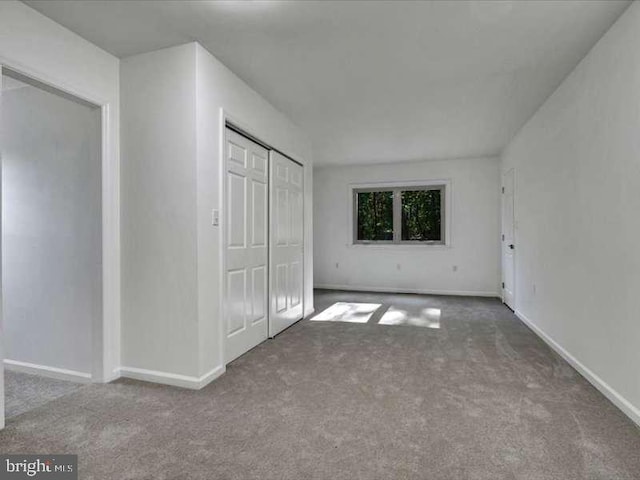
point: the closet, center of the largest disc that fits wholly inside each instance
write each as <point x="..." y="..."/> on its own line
<point x="263" y="243"/>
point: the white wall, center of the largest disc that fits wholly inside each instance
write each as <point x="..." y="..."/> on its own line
<point x="159" y="283"/>
<point x="51" y="229"/>
<point x="474" y="247"/>
<point x="577" y="204"/>
<point x="39" y="47"/>
<point x="172" y="127"/>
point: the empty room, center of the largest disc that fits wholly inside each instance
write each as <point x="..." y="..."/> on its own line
<point x="51" y="242"/>
<point x="279" y="239"/>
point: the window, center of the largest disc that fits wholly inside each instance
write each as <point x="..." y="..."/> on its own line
<point x="411" y="214"/>
<point x="375" y="215"/>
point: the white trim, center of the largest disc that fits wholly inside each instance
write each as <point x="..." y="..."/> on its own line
<point x="106" y="330"/>
<point x="43" y="77"/>
<point x="399" y="247"/>
<point x="222" y="232"/>
<point x="173" y="379"/>
<point x="401" y="183"/>
<point x="618" y="400"/>
<point x="364" y="288"/>
<point x="114" y="375"/>
<point x="448" y="213"/>
<point x="45" y="371"/>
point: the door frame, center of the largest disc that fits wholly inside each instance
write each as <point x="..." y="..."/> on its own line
<point x="106" y="329"/>
<point x="502" y="246"/>
<point x="227" y="119"/>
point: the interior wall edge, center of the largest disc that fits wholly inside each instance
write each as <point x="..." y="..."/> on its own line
<point x="36" y="46"/>
<point x="159" y="243"/>
<point x="576" y="282"/>
<point x="222" y="97"/>
<point x="603" y="387"/>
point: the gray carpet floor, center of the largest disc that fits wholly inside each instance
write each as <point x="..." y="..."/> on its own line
<point x="425" y="387"/>
<point x="24" y="392"/>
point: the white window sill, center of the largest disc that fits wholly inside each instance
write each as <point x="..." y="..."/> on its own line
<point x="398" y="246"/>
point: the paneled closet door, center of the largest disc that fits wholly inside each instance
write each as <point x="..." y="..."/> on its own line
<point x="246" y="244"/>
<point x="286" y="242"/>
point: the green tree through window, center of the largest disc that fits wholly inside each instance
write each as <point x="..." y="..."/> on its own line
<point x="421" y="219"/>
<point x="375" y="216"/>
<point x="400" y="214"/>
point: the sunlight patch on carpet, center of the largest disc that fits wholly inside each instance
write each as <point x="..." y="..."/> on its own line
<point x="347" y="312"/>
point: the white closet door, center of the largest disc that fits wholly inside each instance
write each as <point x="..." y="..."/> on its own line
<point x="286" y="240"/>
<point x="246" y="232"/>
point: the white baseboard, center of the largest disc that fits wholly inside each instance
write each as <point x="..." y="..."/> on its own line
<point x="618" y="400"/>
<point x="45" y="371"/>
<point x="362" y="288"/>
<point x="115" y="374"/>
<point x="174" y="379"/>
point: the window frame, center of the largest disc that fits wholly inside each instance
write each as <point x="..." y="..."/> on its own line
<point x="397" y="188"/>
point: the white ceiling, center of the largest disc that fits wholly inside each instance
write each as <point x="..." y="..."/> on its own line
<point x="372" y="81"/>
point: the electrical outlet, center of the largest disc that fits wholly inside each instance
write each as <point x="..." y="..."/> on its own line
<point x="215" y="217"/>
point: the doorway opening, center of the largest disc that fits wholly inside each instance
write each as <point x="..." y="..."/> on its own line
<point x="52" y="269"/>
